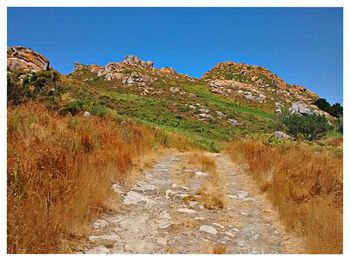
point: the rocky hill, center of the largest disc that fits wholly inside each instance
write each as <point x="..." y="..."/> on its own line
<point x="231" y="99"/>
<point x="21" y="58"/>
<point x="259" y="85"/>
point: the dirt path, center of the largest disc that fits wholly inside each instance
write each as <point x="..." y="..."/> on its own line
<point x="159" y="215"/>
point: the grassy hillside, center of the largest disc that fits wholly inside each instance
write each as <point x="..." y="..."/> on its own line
<point x="178" y="108"/>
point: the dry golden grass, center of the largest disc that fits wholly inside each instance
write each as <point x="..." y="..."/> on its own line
<point x="212" y="190"/>
<point x="334" y="142"/>
<point x="218" y="249"/>
<point x="306" y="186"/>
<point x="60" y="171"/>
<point x="199" y="158"/>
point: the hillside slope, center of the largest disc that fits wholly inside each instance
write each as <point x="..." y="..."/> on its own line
<point x="230" y="100"/>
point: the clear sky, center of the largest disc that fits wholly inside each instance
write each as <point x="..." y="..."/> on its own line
<point x="302" y="45"/>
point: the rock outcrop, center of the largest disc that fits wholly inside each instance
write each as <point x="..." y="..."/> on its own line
<point x="135" y="61"/>
<point x="300" y="108"/>
<point x="25" y="59"/>
<point x="130" y="71"/>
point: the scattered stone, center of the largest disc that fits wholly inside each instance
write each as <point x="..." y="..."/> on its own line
<point x="133" y="198"/>
<point x="218" y="225"/>
<point x="186" y="210"/>
<point x="233" y="122"/>
<point x="143" y="186"/>
<point x="165" y="224"/>
<point x="205" y="116"/>
<point x="87" y="114"/>
<point x="149" y="176"/>
<point x="127" y="248"/>
<point x="98" y="250"/>
<point x="173" y="185"/>
<point x="116" y="188"/>
<point x="205" y="110"/>
<point x="193" y="204"/>
<point x="208" y="229"/>
<point x="168" y="193"/>
<point x="199" y="218"/>
<point x="201" y="174"/>
<point x="100" y="223"/>
<point x="230" y="234"/>
<point x="182" y="195"/>
<point x="242" y="194"/>
<point x="162" y="241"/>
<point x="281" y="135"/>
<point x="220" y="114"/>
<point x="105" y="238"/>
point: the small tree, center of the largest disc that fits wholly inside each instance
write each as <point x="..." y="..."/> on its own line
<point x="322" y="104"/>
<point x="310" y="126"/>
<point x="336" y="110"/>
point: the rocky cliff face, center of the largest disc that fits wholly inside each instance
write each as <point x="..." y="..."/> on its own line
<point x="24" y="59"/>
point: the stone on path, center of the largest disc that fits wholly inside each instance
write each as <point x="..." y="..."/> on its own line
<point x="208" y="229"/>
<point x="201" y="174"/>
<point x="186" y="210"/>
<point x="105" y="238"/>
<point x="143" y="186"/>
<point x="133" y="198"/>
<point x="98" y="250"/>
<point x="100" y="223"/>
<point x="218" y="225"/>
<point x="168" y="193"/>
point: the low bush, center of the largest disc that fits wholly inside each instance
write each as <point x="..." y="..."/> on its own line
<point x="311" y="126"/>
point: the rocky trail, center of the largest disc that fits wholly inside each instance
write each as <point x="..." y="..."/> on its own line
<point x="160" y="214"/>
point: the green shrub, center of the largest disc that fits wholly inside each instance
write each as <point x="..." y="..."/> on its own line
<point x="73" y="107"/>
<point x="335" y="110"/>
<point x="339" y="124"/>
<point x="310" y="126"/>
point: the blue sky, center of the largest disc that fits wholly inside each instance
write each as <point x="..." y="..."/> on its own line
<point x="302" y="45"/>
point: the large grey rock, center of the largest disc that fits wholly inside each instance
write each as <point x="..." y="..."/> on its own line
<point x="300" y="108"/>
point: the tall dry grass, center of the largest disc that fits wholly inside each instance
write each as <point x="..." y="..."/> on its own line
<point x="306" y="186"/>
<point x="60" y="171"/>
<point x="212" y="190"/>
